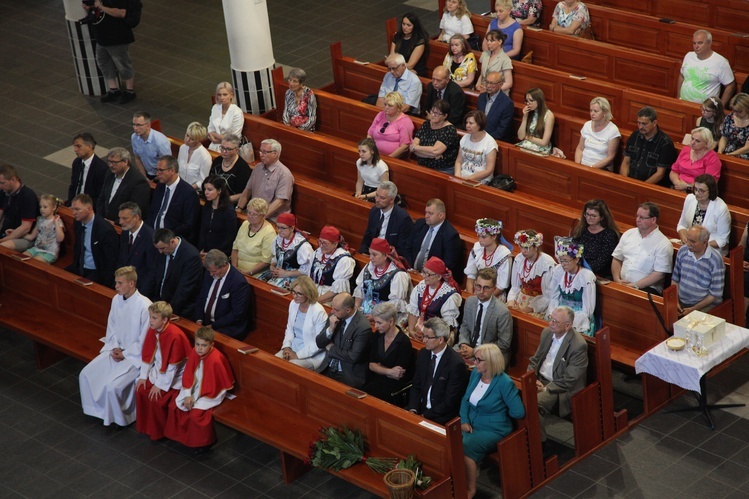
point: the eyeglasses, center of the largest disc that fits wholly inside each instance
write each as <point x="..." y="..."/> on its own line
<point x="114" y="161"/>
<point x="395" y="68"/>
<point x="296" y="293"/>
<point x="482" y="288"/>
<point x="701" y="191"/>
<point x="492" y="83"/>
<point x="556" y="322"/>
<point x="425" y="337"/>
<point x="282" y="227"/>
<point x="162" y="170"/>
<point x="382" y="130"/>
<point x="565" y="262"/>
<point x="228" y="149"/>
<point x="592" y="215"/>
<point x="427" y="275"/>
<point x="479" y="360"/>
<point x="267" y="152"/>
<point x="138" y="125"/>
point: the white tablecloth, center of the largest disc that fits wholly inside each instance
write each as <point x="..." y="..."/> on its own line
<point x="684" y="368"/>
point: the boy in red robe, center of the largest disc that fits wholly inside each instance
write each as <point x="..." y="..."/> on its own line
<point x="164" y="352"/>
<point x="205" y="382"/>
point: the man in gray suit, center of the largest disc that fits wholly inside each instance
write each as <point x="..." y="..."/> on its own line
<point x="561" y="365"/>
<point x="485" y="319"/>
<point x="346" y="337"/>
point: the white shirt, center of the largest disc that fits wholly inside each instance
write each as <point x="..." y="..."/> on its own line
<point x="436" y="363"/>
<point x="86" y="168"/>
<point x="199" y="166"/>
<point x="229" y="123"/>
<point x="171" y="189"/>
<point x="597" y="143"/>
<point x="453" y="25"/>
<point x="220" y="284"/>
<point x="385" y="221"/>
<point x="547" y="368"/>
<point x="641" y="257"/>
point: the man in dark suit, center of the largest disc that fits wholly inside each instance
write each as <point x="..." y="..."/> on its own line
<point x="122" y="184"/>
<point x="485" y="318"/>
<point x="95" y="250"/>
<point x="136" y="247"/>
<point x="388" y="221"/>
<point x="561" y="365"/>
<point x="224" y="299"/>
<point x="175" y="205"/>
<point x="433" y="235"/>
<point x="442" y="87"/>
<point x="441" y="376"/>
<point x="88" y="171"/>
<point x="178" y="273"/>
<point x="346" y="337"/>
<point x="498" y="108"/>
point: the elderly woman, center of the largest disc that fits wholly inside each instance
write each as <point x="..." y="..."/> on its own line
<point x="292" y="254"/>
<point x="392" y="130"/>
<point x="218" y="227"/>
<point x="436" y="143"/>
<point x="734" y="140"/>
<point x="306" y="319"/>
<point x="412" y="42"/>
<point x="460" y="62"/>
<point x="705" y="208"/>
<point x="226" y="118"/>
<point x="487" y="409"/>
<point x="527" y="12"/>
<point x="531" y="274"/>
<point x="194" y="159"/>
<point x="599" y="235"/>
<point x="489" y="251"/>
<point x="332" y="266"/>
<point x="253" y="247"/>
<point x="573" y="285"/>
<point x="494" y="59"/>
<point x="371" y="171"/>
<point x="508" y="26"/>
<point x="437" y="295"/>
<point x="231" y="167"/>
<point x="300" y="104"/>
<point x="456" y="20"/>
<point x="384" y="279"/>
<point x="712" y="117"/>
<point x="478" y="151"/>
<point x="694" y="160"/>
<point x="571" y="17"/>
<point x="390" y="355"/>
<point x="538" y="123"/>
<point x="599" y="137"/>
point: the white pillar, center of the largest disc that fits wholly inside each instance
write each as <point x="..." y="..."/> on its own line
<point x="83" y="46"/>
<point x="251" y="53"/>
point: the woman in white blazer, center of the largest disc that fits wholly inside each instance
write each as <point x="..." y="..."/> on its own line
<point x="306" y="319"/>
<point x="705" y="208"/>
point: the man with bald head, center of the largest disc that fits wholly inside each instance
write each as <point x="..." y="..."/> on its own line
<point x="498" y="108"/>
<point x="442" y="87"/>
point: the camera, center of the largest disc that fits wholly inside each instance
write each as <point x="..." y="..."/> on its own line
<point x="93" y="15"/>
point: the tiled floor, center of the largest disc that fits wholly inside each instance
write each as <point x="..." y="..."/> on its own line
<point x="50" y="449"/>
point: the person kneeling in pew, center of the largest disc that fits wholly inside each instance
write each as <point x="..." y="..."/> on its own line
<point x="165" y="350"/>
<point x="206" y="380"/>
<point x="107" y="383"/>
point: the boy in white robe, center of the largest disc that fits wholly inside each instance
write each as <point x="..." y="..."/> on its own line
<point x="107" y="383"/>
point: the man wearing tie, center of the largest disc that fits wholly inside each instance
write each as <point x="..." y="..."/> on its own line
<point x="388" y="221"/>
<point x="443" y="88"/>
<point x="224" y="299"/>
<point x="441" y="376"/>
<point x="95" y="253"/>
<point x="178" y="273"/>
<point x="121" y="184"/>
<point x="346" y="337"/>
<point x="433" y="235"/>
<point x="175" y="205"/>
<point x="88" y="171"/>
<point x="400" y="79"/>
<point x="136" y="247"/>
<point x="485" y="318"/>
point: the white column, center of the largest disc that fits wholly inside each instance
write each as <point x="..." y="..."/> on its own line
<point x="251" y="53"/>
<point x="83" y="46"/>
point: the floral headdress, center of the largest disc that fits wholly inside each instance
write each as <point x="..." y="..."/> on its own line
<point x="486" y="226"/>
<point x="525" y="240"/>
<point x="565" y="246"/>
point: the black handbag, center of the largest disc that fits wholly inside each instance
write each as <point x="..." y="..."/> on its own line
<point x="504" y="182"/>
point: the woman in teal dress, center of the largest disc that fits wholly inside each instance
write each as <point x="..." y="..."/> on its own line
<point x="491" y="400"/>
<point x="574" y="285"/>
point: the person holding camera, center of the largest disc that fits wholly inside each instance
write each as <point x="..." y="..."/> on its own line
<point x="112" y="23"/>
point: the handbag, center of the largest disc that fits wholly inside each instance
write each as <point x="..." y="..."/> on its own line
<point x="504" y="182"/>
<point x="245" y="150"/>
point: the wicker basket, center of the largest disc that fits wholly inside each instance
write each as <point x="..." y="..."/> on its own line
<point x="400" y="483"/>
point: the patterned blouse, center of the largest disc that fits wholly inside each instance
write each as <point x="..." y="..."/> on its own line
<point x="304" y="115"/>
<point x="465" y="68"/>
<point x="736" y="136"/>
<point x="523" y="9"/>
<point x="448" y="135"/>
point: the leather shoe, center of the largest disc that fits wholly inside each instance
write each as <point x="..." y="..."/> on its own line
<point x="127" y="96"/>
<point x="111" y="96"/>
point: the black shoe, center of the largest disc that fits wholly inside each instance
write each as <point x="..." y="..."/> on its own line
<point x="127" y="96"/>
<point x="201" y="451"/>
<point x="111" y="96"/>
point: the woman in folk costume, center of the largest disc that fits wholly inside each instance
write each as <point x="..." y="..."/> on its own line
<point x="384" y="279"/>
<point x="531" y="274"/>
<point x="490" y="251"/>
<point x="333" y="266"/>
<point x="292" y="254"/>
<point x="574" y="285"/>
<point x="437" y="295"/>
<point x="206" y="380"/>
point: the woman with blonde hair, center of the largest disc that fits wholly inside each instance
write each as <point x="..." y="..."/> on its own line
<point x="392" y="130"/>
<point x="456" y="20"/>
<point x="695" y="159"/>
<point x="306" y="319"/>
<point x="194" y="159"/>
<point x="226" y="117"/>
<point x="599" y="137"/>
<point x="253" y="248"/>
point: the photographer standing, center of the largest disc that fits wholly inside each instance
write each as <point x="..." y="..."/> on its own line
<point x="112" y="23"/>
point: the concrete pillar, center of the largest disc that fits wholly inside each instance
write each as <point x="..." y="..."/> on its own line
<point x="83" y="46"/>
<point x="251" y="53"/>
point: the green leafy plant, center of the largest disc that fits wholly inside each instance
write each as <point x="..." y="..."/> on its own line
<point x="341" y="448"/>
<point x="411" y="463"/>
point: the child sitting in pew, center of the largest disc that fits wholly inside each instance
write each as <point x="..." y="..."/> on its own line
<point x="206" y="380"/>
<point x="48" y="233"/>
<point x="165" y="350"/>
